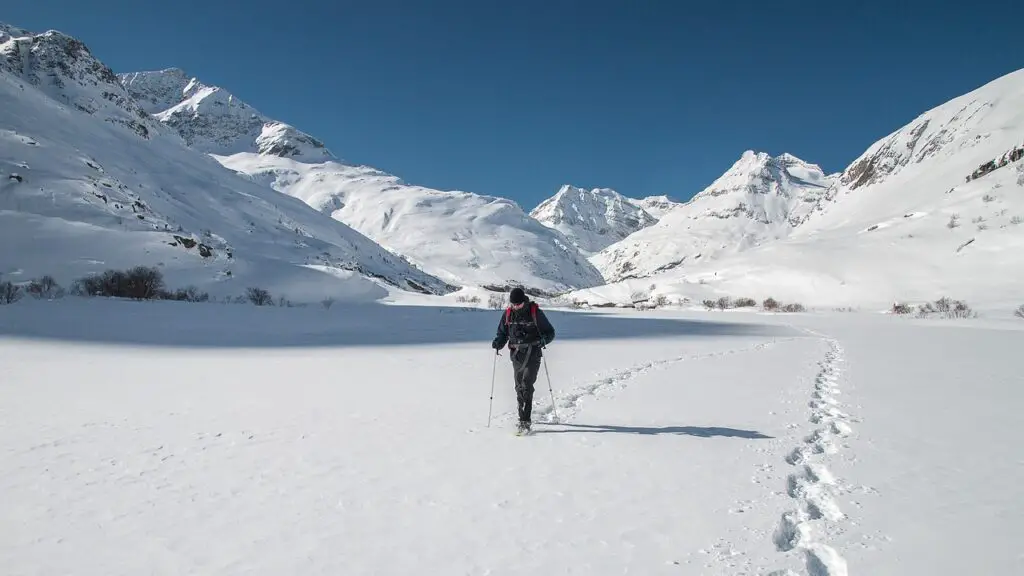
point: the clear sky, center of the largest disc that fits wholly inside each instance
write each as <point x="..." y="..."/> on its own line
<point x="516" y="98"/>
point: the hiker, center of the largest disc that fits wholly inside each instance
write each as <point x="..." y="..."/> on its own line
<point x="527" y="331"/>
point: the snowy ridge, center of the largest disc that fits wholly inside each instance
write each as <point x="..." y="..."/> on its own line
<point x="758" y="199"/>
<point x="98" y="184"/>
<point x="65" y="70"/>
<point x="594" y="219"/>
<point x="462" y="237"/>
<point x="213" y="120"/>
<point x="465" y="238"/>
<point x="930" y="210"/>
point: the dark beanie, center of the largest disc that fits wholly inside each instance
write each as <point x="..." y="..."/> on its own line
<point x="517" y="296"/>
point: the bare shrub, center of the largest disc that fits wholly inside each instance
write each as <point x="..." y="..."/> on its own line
<point x="954" y="221"/>
<point x="45" y="288"/>
<point x="1019" y="313"/>
<point x="468" y="299"/>
<point x="946" y="308"/>
<point x="9" y="292"/>
<point x="138" y="283"/>
<point x="724" y="303"/>
<point x="709" y="304"/>
<point x="988" y="198"/>
<point x="284" y="302"/>
<point x="745" y="303"/>
<point x="496" y="301"/>
<point x="901" y="308"/>
<point x="1016" y="220"/>
<point x="793" y="307"/>
<point x="327" y="302"/>
<point x="770" y="304"/>
<point x="259" y="296"/>
<point x="190" y="294"/>
<point x="660" y="301"/>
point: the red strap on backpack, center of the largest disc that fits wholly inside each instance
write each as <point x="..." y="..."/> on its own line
<point x="533" y="313"/>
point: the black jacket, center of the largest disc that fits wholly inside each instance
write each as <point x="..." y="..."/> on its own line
<point x="522" y="330"/>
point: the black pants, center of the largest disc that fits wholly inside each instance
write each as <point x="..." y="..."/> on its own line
<point x="525" y="366"/>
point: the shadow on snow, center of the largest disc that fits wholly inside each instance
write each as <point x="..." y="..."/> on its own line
<point x="206" y="325"/>
<point x="700" y="431"/>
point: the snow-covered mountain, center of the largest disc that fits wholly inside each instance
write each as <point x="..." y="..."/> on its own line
<point x="936" y="208"/>
<point x="212" y="120"/>
<point x="759" y="199"/>
<point x="89" y="181"/>
<point x="595" y="219"/>
<point x="461" y="237"/>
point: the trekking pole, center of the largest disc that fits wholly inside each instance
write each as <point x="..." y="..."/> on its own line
<point x="548" y="374"/>
<point x="494" y="367"/>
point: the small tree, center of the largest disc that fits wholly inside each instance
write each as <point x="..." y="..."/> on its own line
<point x="1020" y="312"/>
<point x="143" y="283"/>
<point x="9" y="292"/>
<point x="45" y="288"/>
<point x="793" y="307"/>
<point x="724" y="303"/>
<point x="745" y="302"/>
<point x="770" y="304"/>
<point x="709" y="304"/>
<point x="259" y="296"/>
<point x="900" y="308"/>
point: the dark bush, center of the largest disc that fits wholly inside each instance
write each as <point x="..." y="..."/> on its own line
<point x="9" y="292"/>
<point x="793" y="307"/>
<point x="327" y="303"/>
<point x="770" y="304"/>
<point x="724" y="303"/>
<point x="745" y="303"/>
<point x="190" y="294"/>
<point x="138" y="283"/>
<point x="709" y="304"/>
<point x="259" y="297"/>
<point x="1020" y="312"/>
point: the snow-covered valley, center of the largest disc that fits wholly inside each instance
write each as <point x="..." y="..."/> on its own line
<point x="246" y="440"/>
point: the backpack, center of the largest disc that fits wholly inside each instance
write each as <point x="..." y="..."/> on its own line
<point x="533" y="314"/>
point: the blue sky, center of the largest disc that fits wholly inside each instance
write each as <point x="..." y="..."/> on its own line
<point x="516" y="98"/>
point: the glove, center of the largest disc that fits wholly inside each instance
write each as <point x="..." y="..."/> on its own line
<point x="496" y="344"/>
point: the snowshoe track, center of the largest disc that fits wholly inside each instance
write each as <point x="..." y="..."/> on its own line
<point x="812" y="485"/>
<point x="568" y="404"/>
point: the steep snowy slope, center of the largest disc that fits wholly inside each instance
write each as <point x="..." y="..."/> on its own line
<point x="594" y="219"/>
<point x="89" y="181"/>
<point x="461" y="237"/>
<point x="211" y="119"/>
<point x="759" y="199"/>
<point x="934" y="209"/>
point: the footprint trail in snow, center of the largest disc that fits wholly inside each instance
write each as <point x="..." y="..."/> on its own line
<point x="812" y="484"/>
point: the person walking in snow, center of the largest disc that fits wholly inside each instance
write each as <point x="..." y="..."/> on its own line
<point x="526" y="330"/>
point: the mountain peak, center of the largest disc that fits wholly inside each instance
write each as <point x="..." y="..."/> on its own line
<point x="592" y="219"/>
<point x="213" y="120"/>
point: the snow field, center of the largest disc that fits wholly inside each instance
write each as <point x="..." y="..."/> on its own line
<point x="173" y="438"/>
